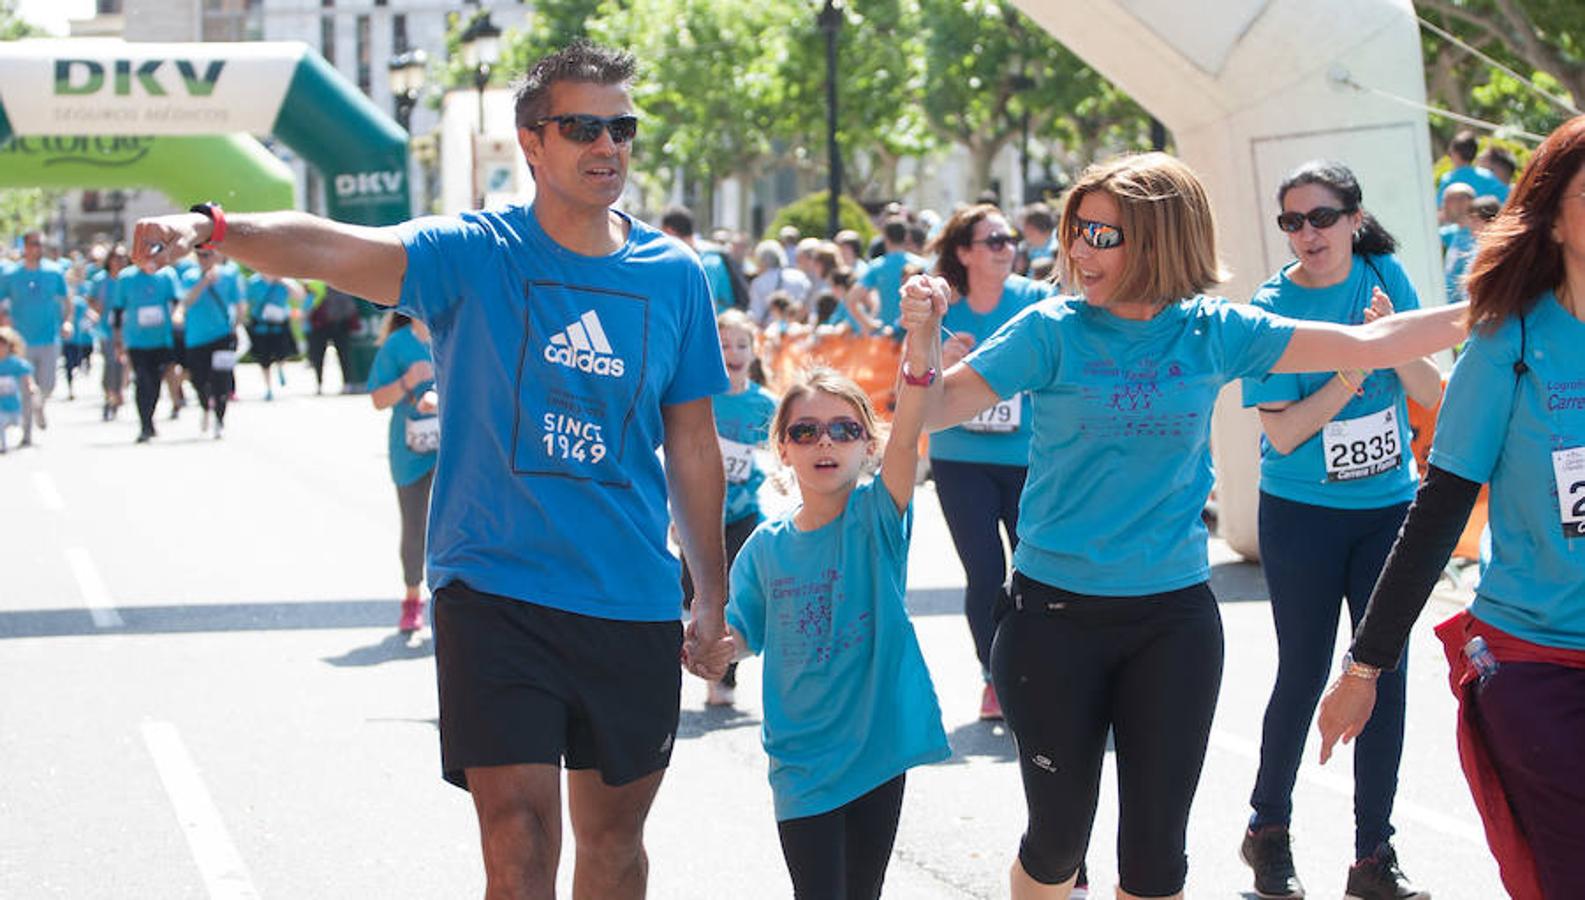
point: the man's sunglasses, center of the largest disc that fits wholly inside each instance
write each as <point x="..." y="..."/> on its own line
<point x="582" y="128"/>
<point x="998" y="242"/>
<point x="842" y="431"/>
<point x="1320" y="217"/>
<point x="1099" y="235"/>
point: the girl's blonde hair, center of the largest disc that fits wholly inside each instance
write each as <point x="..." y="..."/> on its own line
<point x="825" y="380"/>
<point x="737" y="320"/>
<point x="13" y="340"/>
<point x="1169" y="233"/>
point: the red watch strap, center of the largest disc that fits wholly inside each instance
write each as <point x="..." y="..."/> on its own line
<point x="217" y="223"/>
<point x="923" y="380"/>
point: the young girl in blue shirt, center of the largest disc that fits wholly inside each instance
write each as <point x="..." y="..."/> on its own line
<point x="848" y="703"/>
<point x="16" y="381"/>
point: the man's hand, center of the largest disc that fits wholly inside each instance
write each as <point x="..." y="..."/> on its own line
<point x="707" y="649"/>
<point x="1344" y="711"/>
<point x="162" y="240"/>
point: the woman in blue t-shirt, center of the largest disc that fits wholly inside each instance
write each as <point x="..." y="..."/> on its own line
<point x="402" y="379"/>
<point x="1113" y="623"/>
<point x="1336" y="477"/>
<point x="848" y="705"/>
<point x="1514" y="417"/>
<point x="979" y="467"/>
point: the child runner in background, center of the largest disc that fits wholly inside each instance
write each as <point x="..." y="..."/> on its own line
<point x="742" y="424"/>
<point x="848" y="703"/>
<point x="16" y="381"/>
<point x="270" y="326"/>
<point x="402" y="379"/>
<point x="78" y="347"/>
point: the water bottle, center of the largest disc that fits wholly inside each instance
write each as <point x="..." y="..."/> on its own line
<point x="1480" y="657"/>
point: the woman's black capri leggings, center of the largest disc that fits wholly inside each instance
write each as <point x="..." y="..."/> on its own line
<point x="1068" y="666"/>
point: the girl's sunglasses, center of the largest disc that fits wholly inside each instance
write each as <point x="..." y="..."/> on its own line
<point x="1099" y="235"/>
<point x="582" y="128"/>
<point x="996" y="243"/>
<point x="842" y="431"/>
<point x="1320" y="217"/>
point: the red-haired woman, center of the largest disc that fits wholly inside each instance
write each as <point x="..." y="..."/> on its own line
<point x="1514" y="416"/>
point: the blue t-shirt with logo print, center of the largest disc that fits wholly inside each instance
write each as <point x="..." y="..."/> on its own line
<point x="999" y="440"/>
<point x="848" y="700"/>
<point x="1120" y="443"/>
<point x="1525" y="435"/>
<point x="553" y="368"/>
<point x="145" y="301"/>
<point x="1371" y="431"/>
<point x="212" y="315"/>
<point x="38" y="303"/>
<point x="742" y="423"/>
<point x="398" y="353"/>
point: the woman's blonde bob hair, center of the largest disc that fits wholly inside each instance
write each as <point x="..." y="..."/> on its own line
<point x="1169" y="234"/>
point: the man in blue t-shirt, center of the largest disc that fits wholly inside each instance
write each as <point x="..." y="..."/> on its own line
<point x="41" y="313"/>
<point x="728" y="287"/>
<point x="570" y="343"/>
<point x="876" y="300"/>
<point x="1461" y="151"/>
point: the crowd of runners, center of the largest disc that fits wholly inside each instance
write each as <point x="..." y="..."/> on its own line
<point x="1064" y="361"/>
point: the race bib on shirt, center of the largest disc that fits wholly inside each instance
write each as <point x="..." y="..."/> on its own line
<point x="8" y="386"/>
<point x="423" y="435"/>
<point x="1005" y="417"/>
<point x="738" y="460"/>
<point x="223" y="360"/>
<point x="1568" y="466"/>
<point x="1362" y="447"/>
<point x="274" y="315"/>
<point x="151" y="316"/>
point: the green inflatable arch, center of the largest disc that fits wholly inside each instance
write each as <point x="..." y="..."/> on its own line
<point x="108" y="113"/>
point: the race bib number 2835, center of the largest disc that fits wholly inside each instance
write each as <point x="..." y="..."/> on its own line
<point x="1362" y="447"/>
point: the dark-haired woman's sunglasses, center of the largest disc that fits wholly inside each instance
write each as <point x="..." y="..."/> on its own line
<point x="1320" y="217"/>
<point x="1099" y="235"/>
<point x="582" y="128"/>
<point x="998" y="242"/>
<point x="842" y="431"/>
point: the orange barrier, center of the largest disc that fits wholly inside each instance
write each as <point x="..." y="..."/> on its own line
<point x="870" y="361"/>
<point x="1422" y="428"/>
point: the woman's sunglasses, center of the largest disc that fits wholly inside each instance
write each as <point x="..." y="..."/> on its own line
<point x="1320" y="217"/>
<point x="582" y="128"/>
<point x="1099" y="235"/>
<point x="842" y="431"/>
<point x="998" y="242"/>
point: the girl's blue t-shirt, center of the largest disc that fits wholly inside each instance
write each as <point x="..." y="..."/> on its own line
<point x="1001" y="435"/>
<point x="262" y="293"/>
<point x="1349" y="463"/>
<point x="1525" y="434"/>
<point x="553" y="369"/>
<point x="400" y="351"/>
<point x="145" y="301"/>
<point x="212" y="315"/>
<point x="1120" y="445"/>
<point x="848" y="703"/>
<point x="742" y="424"/>
<point x="13" y="369"/>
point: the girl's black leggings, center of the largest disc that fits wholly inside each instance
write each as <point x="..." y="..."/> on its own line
<point x="842" y="854"/>
<point x="1069" y="666"/>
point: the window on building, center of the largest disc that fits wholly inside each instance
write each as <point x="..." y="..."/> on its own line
<point x="399" y="34"/>
<point x="365" y="55"/>
<point x="327" y="38"/>
<point x="108" y="7"/>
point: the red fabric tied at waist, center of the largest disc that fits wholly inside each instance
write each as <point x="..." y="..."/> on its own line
<point x="1514" y="860"/>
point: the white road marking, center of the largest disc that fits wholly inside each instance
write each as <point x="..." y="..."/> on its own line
<point x="93" y="589"/>
<point x="1337" y="784"/>
<point x="48" y="495"/>
<point x="221" y="866"/>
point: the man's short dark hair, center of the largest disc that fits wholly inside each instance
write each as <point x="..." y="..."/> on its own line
<point x="895" y="230"/>
<point x="1497" y="158"/>
<point x="1040" y="217"/>
<point x="1464" y="146"/>
<point x="582" y="61"/>
<point x="677" y="220"/>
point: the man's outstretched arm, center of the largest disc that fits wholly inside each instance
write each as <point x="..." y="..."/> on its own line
<point x="362" y="261"/>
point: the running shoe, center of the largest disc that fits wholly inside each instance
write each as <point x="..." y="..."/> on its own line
<point x="269" y="392"/>
<point x="203" y="424"/>
<point x="280" y="375"/>
<point x="220" y="429"/>
<point x="718" y="694"/>
<point x="990" y="706"/>
<point x="412" y="615"/>
<point x="1269" y="851"/>
<point x="1377" y="877"/>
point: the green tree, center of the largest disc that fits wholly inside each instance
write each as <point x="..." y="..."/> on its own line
<point x="21" y="208"/>
<point x="12" y="26"/>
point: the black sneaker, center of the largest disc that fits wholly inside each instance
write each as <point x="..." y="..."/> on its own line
<point x="1377" y="877"/>
<point x="1269" y="852"/>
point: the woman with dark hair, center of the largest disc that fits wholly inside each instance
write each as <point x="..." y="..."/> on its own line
<point x="1514" y="416"/>
<point x="979" y="466"/>
<point x="1336" y="477"/>
<point x="402" y="379"/>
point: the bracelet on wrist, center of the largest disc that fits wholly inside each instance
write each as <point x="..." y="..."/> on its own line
<point x="1358" y="389"/>
<point x="1356" y="669"/>
<point x="217" y="222"/>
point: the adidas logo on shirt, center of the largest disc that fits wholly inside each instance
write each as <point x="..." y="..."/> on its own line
<point x="583" y="346"/>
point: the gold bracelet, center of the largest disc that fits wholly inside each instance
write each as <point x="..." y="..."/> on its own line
<point x="1359" y="389"/>
<point x="1359" y="669"/>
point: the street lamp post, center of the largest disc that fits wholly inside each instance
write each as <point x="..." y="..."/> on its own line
<point x="1020" y="84"/>
<point x="481" y="50"/>
<point x="831" y="23"/>
<point x="407" y="81"/>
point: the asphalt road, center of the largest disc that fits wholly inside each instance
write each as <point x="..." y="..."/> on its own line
<point x="204" y="695"/>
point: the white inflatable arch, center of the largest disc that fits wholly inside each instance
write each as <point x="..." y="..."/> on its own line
<point x="1250" y="89"/>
